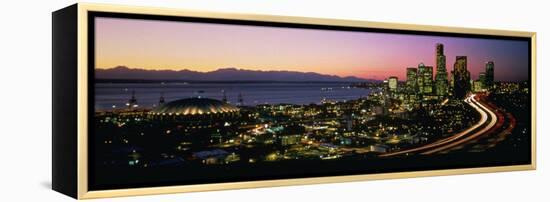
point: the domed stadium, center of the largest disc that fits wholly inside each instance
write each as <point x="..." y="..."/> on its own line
<point x="194" y="106"/>
<point x="198" y="120"/>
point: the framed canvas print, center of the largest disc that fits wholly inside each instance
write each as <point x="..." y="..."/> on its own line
<point x="151" y="100"/>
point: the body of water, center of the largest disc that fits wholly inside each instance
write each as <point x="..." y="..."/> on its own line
<point x="108" y="95"/>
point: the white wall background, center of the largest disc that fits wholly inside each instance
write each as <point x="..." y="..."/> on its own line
<point x="25" y="89"/>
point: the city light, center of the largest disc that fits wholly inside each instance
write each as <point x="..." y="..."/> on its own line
<point x="432" y="111"/>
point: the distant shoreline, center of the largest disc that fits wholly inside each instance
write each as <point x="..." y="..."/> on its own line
<point x="235" y="81"/>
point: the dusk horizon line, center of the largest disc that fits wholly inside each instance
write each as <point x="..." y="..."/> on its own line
<point x="291" y="71"/>
<point x="225" y="68"/>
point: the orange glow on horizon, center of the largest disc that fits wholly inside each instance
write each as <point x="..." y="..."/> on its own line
<point x="205" y="47"/>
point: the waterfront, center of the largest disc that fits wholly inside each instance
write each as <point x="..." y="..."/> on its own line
<point x="354" y="135"/>
<point x="325" y="104"/>
<point x="108" y="95"/>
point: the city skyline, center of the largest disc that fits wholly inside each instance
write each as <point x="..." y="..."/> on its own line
<point x="179" y="45"/>
<point x="444" y="102"/>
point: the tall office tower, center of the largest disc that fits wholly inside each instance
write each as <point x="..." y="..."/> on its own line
<point x="392" y="83"/>
<point x="441" y="78"/>
<point x="428" y="77"/>
<point x="483" y="80"/>
<point x="461" y="77"/>
<point x="412" y="79"/>
<point x="451" y="83"/>
<point x="489" y="74"/>
<point x="420" y="77"/>
<point x="439" y="49"/>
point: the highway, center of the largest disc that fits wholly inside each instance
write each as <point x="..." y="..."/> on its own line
<point x="487" y="121"/>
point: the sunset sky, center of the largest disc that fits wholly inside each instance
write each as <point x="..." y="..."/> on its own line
<point x="152" y="44"/>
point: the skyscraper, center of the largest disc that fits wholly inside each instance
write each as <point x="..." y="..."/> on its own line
<point x="489" y="74"/>
<point x="411" y="79"/>
<point x="441" y="78"/>
<point x="425" y="79"/>
<point x="451" y="83"/>
<point x="461" y="77"/>
<point x="428" y="77"/>
<point x="411" y="95"/>
<point x="392" y="83"/>
<point x="420" y="77"/>
<point x="483" y="80"/>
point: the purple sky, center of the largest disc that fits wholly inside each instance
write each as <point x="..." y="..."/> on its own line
<point x="152" y="44"/>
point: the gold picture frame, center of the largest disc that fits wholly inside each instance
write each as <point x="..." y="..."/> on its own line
<point x="77" y="185"/>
